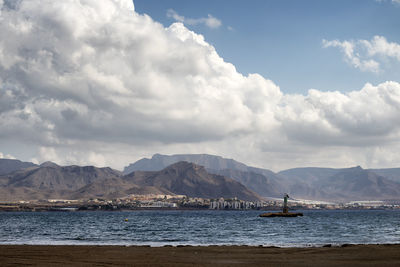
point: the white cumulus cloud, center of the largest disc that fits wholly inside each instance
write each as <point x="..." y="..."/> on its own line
<point x="351" y="57"/>
<point x="395" y="2"/>
<point x="380" y="46"/>
<point x="209" y="21"/>
<point x="364" y="54"/>
<point x="94" y="82"/>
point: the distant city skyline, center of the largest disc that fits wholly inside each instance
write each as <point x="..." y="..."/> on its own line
<point x="273" y="84"/>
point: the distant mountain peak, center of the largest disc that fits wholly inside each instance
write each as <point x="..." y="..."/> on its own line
<point x="354" y="169"/>
<point x="193" y="180"/>
<point x="11" y="165"/>
<point x="158" y="162"/>
<point x="49" y="164"/>
<point x="186" y="166"/>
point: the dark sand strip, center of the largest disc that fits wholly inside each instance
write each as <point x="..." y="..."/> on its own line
<point x="360" y="255"/>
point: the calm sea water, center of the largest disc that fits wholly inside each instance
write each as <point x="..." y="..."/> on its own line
<point x="158" y="228"/>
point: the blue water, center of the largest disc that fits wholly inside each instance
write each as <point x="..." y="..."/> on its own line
<point x="158" y="228"/>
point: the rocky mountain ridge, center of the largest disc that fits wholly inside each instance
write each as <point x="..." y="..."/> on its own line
<point x="50" y="181"/>
<point x="12" y="165"/>
<point x="337" y="185"/>
<point x="184" y="178"/>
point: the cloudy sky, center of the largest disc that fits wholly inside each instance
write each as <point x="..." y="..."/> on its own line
<point x="274" y="84"/>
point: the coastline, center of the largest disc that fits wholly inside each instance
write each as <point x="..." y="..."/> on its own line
<point x="76" y="243"/>
<point x="83" y="255"/>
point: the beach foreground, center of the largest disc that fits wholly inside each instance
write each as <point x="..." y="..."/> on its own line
<point x="352" y="255"/>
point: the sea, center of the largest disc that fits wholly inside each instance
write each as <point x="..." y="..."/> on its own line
<point x="200" y="228"/>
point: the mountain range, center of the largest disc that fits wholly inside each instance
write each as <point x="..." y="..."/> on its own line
<point x="340" y="184"/>
<point x="195" y="175"/>
<point x="184" y="178"/>
<point x="327" y="184"/>
<point x="50" y="181"/>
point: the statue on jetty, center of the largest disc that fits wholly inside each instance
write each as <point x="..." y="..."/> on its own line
<point x="285" y="206"/>
<point x="285" y="212"/>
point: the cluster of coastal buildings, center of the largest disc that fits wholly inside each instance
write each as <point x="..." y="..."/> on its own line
<point x="234" y="204"/>
<point x="151" y="201"/>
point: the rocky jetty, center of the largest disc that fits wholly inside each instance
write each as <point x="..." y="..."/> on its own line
<point x="281" y="214"/>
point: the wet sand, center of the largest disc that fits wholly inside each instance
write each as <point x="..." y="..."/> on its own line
<point x="359" y="255"/>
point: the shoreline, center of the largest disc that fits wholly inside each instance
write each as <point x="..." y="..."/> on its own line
<point x="77" y="210"/>
<point x="82" y="255"/>
<point x="171" y="245"/>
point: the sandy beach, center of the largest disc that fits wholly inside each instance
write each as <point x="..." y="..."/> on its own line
<point x="353" y="255"/>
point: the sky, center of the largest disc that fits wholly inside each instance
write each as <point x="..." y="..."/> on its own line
<point x="282" y="40"/>
<point x="273" y="84"/>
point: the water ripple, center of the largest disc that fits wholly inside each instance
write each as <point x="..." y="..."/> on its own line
<point x="157" y="228"/>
